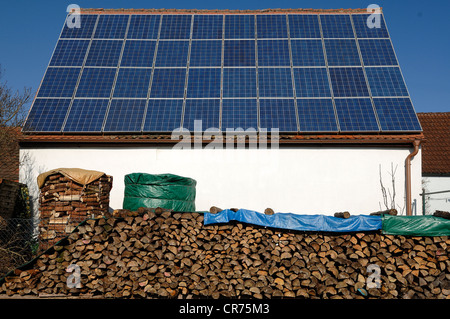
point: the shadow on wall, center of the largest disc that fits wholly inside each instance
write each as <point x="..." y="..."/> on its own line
<point x="28" y="173"/>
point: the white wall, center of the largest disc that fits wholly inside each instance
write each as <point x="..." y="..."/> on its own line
<point x="437" y="201"/>
<point x="304" y="180"/>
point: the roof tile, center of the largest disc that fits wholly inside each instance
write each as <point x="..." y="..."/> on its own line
<point x="436" y="150"/>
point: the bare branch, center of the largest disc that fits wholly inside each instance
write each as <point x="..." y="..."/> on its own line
<point x="383" y="190"/>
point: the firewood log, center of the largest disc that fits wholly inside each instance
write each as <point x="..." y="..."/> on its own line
<point x="174" y="255"/>
<point x="342" y="214"/>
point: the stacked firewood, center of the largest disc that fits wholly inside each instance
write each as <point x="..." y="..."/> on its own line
<point x="162" y="254"/>
<point x="65" y="203"/>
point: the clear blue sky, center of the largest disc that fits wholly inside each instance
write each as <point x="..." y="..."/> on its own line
<point x="420" y="31"/>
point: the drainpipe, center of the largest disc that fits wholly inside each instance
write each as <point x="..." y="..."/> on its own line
<point x="416" y="144"/>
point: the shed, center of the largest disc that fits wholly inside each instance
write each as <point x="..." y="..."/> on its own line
<point x="302" y="110"/>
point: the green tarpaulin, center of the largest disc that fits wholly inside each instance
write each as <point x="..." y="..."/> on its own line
<point x="416" y="225"/>
<point x="163" y="190"/>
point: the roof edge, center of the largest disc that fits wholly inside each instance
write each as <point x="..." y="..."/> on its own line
<point x="221" y="11"/>
<point x="167" y="139"/>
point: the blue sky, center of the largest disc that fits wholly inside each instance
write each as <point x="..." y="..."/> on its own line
<point x="419" y="31"/>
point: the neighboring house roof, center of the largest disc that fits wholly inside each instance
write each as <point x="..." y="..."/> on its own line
<point x="436" y="149"/>
<point x="9" y="153"/>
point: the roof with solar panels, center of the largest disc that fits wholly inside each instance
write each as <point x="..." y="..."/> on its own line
<point x="329" y="75"/>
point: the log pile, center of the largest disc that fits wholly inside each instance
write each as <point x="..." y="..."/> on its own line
<point x="65" y="203"/>
<point x="162" y="254"/>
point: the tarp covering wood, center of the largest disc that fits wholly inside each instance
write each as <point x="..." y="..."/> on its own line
<point x="79" y="175"/>
<point x="297" y="222"/>
<point x="161" y="190"/>
<point x="416" y="225"/>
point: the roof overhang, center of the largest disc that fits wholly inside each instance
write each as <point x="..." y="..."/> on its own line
<point x="168" y="139"/>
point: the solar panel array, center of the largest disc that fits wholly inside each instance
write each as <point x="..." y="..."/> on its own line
<point x="159" y="72"/>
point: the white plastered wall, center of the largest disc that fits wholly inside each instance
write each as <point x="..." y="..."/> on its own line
<point x="302" y="180"/>
<point x="437" y="201"/>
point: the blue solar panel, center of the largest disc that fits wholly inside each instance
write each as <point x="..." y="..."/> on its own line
<point x="96" y="82"/>
<point x="307" y="53"/>
<point x="172" y="53"/>
<point x="316" y="115"/>
<point x="86" y="27"/>
<point x="163" y="115"/>
<point x="206" y="110"/>
<point x="206" y="53"/>
<point x="125" y="115"/>
<point x="386" y="81"/>
<point x="239" y="113"/>
<point x="239" y="82"/>
<point x="168" y="83"/>
<point x="69" y="53"/>
<point x="356" y="115"/>
<point x="278" y="114"/>
<point x="203" y="83"/>
<point x="240" y="26"/>
<point x="396" y="114"/>
<point x="273" y="53"/>
<point x="132" y="83"/>
<point x="239" y="53"/>
<point x="271" y="26"/>
<point x="342" y="52"/>
<point x="336" y="26"/>
<point x="366" y="26"/>
<point x="86" y="115"/>
<point x="311" y="82"/>
<point x="104" y="53"/>
<point x="143" y="27"/>
<point x="348" y="82"/>
<point x="111" y="26"/>
<point x="138" y="53"/>
<point x="207" y="27"/>
<point x="47" y="115"/>
<point x="304" y="26"/>
<point x="175" y="26"/>
<point x="275" y="82"/>
<point x="59" y="82"/>
<point x="377" y="52"/>
<point x="254" y="69"/>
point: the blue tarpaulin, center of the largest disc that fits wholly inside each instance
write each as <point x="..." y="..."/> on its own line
<point x="297" y="222"/>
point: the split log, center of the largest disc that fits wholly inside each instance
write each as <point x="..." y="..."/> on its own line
<point x="215" y="210"/>
<point x="342" y="214"/>
<point x="145" y="254"/>
<point x="442" y="214"/>
<point x="392" y="212"/>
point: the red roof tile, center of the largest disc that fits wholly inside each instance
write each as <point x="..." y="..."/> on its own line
<point x="284" y="138"/>
<point x="436" y="150"/>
